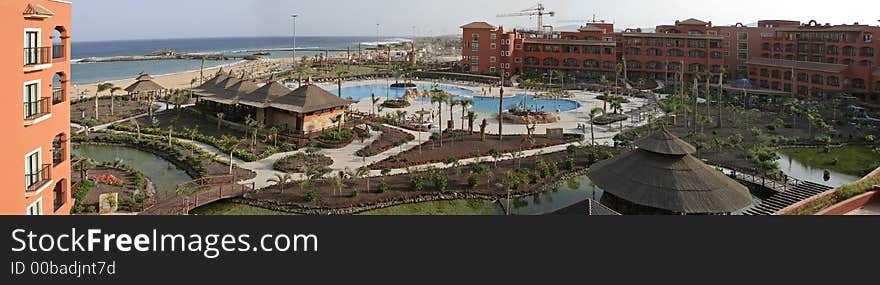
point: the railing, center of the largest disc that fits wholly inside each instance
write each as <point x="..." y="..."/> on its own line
<point x="36" y="109"/>
<point x="37" y="55"/>
<point x="58" y="95"/>
<point x="57" y="51"/>
<point x="39" y="178"/>
<point x="59" y="199"/>
<point x="58" y="155"/>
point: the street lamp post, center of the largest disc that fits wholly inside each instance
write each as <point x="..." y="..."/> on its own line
<point x="294" y="16"/>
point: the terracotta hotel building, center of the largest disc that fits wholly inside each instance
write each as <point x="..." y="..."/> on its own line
<point x="782" y="57"/>
<point x="35" y="120"/>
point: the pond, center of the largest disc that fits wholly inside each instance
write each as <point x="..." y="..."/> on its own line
<point x="164" y="174"/>
<point x="382" y="90"/>
<point x="573" y="191"/>
<point x="226" y="208"/>
<point x="798" y="170"/>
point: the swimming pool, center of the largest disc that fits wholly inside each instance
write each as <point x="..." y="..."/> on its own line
<point x="383" y="90"/>
<point x="490" y="104"/>
<point x="481" y="104"/>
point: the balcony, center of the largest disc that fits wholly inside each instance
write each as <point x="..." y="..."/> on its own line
<point x="60" y="196"/>
<point x="38" y="181"/>
<point x="58" y="96"/>
<point x="37" y="111"/>
<point x="58" y="51"/>
<point x="36" y="58"/>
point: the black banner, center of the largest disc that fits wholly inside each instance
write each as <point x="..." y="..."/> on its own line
<point x="547" y="250"/>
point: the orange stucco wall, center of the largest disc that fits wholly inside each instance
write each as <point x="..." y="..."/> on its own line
<point x="18" y="139"/>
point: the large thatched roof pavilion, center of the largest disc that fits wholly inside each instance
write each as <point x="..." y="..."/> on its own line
<point x="144" y="85"/>
<point x="663" y="177"/>
<point x="306" y="110"/>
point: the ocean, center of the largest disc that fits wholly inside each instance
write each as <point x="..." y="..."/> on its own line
<point x="82" y="73"/>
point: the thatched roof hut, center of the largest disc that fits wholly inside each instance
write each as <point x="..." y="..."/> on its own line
<point x="663" y="176"/>
<point x="144" y="84"/>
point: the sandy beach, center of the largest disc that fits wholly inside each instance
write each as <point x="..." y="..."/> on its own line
<point x="182" y="80"/>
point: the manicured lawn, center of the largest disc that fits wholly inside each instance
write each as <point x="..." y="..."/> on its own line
<point x="446" y="208"/>
<point x="852" y="160"/>
<point x="234" y="209"/>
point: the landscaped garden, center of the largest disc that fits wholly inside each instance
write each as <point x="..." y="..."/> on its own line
<point x="857" y="160"/>
<point x="350" y="192"/>
<point x="188" y="157"/>
<point x="246" y="145"/>
<point x="109" y="110"/>
<point x="297" y="162"/>
<point x="390" y="138"/>
<point x="96" y="179"/>
<point x="751" y="129"/>
<point x="463" y="145"/>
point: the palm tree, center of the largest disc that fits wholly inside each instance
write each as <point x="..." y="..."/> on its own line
<point x="400" y="115"/>
<point x="373" y="100"/>
<point x="720" y="96"/>
<point x="192" y="84"/>
<point x="606" y="93"/>
<point x="137" y="127"/>
<point x="114" y="89"/>
<point x="439" y="97"/>
<point x="83" y="166"/>
<point x="274" y="131"/>
<point x="364" y="172"/>
<point x="465" y="104"/>
<point x="472" y="117"/>
<point x="337" y="120"/>
<point x="594" y="113"/>
<point x="101" y="88"/>
<point x="339" y="75"/>
<point x="280" y="180"/>
<point x="220" y="117"/>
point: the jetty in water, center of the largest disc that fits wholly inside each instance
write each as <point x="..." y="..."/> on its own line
<point x="170" y="54"/>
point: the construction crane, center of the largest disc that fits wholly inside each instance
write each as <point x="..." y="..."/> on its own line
<point x="537" y="10"/>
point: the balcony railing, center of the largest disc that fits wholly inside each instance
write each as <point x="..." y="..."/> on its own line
<point x="58" y="95"/>
<point x="37" y="56"/>
<point x="38" y="179"/>
<point x="58" y="155"/>
<point x="36" y="109"/>
<point x="57" y="51"/>
<point x="60" y="196"/>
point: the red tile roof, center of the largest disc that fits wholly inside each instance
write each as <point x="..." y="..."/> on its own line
<point x="478" y="25"/>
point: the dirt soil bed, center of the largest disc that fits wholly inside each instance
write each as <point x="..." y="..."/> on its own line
<point x="329" y="196"/>
<point x="465" y="146"/>
<point x="389" y="139"/>
<point x="294" y="163"/>
<point x="122" y="108"/>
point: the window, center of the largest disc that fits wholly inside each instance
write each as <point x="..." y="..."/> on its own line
<point x="742" y="46"/>
<point x="742" y="56"/>
<point x="34" y="171"/>
<point x="475" y="37"/>
<point x="58" y="155"/>
<point x="32" y="54"/>
<point x="475" y="47"/>
<point x="492" y="59"/>
<point x="518" y="46"/>
<point x="868" y="38"/>
<point x="492" y="69"/>
<point x="517" y="60"/>
<point x="742" y="36"/>
<point x="493" y="36"/>
<point x="33" y="106"/>
<point x="35" y="209"/>
<point x="493" y="46"/>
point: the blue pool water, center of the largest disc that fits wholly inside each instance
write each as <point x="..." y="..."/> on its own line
<point x="383" y="90"/>
<point x="490" y="104"/>
<point x="481" y="104"/>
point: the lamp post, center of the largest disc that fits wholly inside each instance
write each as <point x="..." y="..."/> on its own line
<point x="294" y="16"/>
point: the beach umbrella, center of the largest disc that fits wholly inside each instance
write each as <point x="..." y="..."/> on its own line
<point x="663" y="174"/>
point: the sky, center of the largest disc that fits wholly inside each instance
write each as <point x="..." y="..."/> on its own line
<point x="99" y="20"/>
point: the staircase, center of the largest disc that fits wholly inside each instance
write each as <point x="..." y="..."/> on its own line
<point x="781" y="200"/>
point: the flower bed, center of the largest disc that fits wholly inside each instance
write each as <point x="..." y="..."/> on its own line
<point x="609" y="119"/>
<point x="395" y="104"/>
<point x="389" y="139"/>
<point x="294" y="163"/>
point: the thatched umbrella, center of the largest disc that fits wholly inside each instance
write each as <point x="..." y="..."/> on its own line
<point x="144" y="84"/>
<point x="663" y="176"/>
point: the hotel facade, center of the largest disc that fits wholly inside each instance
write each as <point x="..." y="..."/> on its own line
<point x="779" y="56"/>
<point x="35" y="120"/>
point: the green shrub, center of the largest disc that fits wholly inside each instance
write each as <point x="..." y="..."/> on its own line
<point x="382" y="188"/>
<point x="354" y="193"/>
<point x="416" y="183"/>
<point x="473" y="180"/>
<point x="570" y="163"/>
<point x="440" y="182"/>
<point x="312" y="195"/>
